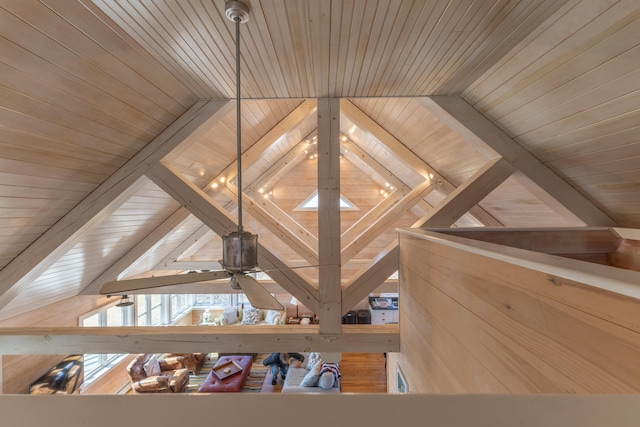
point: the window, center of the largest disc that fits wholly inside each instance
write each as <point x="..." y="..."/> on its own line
<point x="311" y="204"/>
<point x="149" y="310"/>
<point x="179" y="304"/>
<point x="96" y="365"/>
<point x="212" y="300"/>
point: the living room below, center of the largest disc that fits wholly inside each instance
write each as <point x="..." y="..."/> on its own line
<point x="360" y="373"/>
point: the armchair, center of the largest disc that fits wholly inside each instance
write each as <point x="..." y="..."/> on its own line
<point x="192" y="361"/>
<point x="171" y="377"/>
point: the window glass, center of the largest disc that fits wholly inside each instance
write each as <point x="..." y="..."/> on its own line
<point x="141" y="310"/>
<point x="96" y="365"/>
<point x="155" y="307"/>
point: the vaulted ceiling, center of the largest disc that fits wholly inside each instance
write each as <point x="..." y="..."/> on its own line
<point x="115" y="121"/>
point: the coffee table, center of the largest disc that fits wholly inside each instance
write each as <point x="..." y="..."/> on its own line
<point x="232" y="383"/>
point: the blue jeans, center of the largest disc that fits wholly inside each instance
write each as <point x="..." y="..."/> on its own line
<point x="284" y="368"/>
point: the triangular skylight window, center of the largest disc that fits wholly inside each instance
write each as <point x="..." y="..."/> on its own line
<point x="311" y="204"/>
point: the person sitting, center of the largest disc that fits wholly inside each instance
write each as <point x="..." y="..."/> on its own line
<point x="280" y="362"/>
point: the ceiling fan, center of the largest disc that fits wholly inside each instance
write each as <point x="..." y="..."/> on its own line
<point x="240" y="248"/>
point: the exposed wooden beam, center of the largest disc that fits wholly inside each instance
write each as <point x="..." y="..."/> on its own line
<point x="382" y="222"/>
<point x="216" y="287"/>
<point x="330" y="280"/>
<point x="279" y="168"/>
<point x="190" y="265"/>
<point x="134" y="254"/>
<point x="195" y="339"/>
<point x="284" y="227"/>
<point x="365" y="221"/>
<point x="365" y="122"/>
<point x="355" y="154"/>
<point x="186" y="248"/>
<point x="214" y="216"/>
<point x="469" y="194"/>
<point x="111" y="194"/>
<point x="370" y="277"/>
<point x="253" y="153"/>
<point x="492" y="141"/>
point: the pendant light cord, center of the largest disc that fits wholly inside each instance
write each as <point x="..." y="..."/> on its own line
<point x="238" y="127"/>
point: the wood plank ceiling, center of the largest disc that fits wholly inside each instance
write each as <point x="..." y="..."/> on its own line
<point x="88" y="86"/>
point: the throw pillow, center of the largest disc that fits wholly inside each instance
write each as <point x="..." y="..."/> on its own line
<point x="152" y="367"/>
<point x="311" y="379"/>
<point x="314" y="359"/>
<point x="231" y="316"/>
<point x="251" y="316"/>
<point x="326" y="380"/>
<point x="271" y="316"/>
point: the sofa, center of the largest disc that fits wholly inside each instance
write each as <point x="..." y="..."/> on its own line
<point x="249" y="316"/>
<point x="313" y="376"/>
<point x="152" y="375"/>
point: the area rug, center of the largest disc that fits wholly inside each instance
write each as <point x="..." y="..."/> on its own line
<point x="252" y="385"/>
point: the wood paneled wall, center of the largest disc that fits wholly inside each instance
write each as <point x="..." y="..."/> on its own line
<point x="474" y="324"/>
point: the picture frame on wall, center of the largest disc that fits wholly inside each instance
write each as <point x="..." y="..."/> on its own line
<point x="401" y="383"/>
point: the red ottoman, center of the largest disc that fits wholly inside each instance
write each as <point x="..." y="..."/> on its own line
<point x="234" y="383"/>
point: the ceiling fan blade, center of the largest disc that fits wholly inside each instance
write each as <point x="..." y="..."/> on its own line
<point x="120" y="286"/>
<point x="257" y="295"/>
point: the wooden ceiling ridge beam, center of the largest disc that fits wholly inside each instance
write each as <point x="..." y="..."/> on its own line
<point x="216" y="218"/>
<point x="381" y="223"/>
<point x="370" y="277"/>
<point x="196" y="339"/>
<point x="280" y="227"/>
<point x="330" y="276"/>
<point x="106" y="198"/>
<point x="469" y="194"/>
<point x="492" y="141"/>
<point x="360" y="119"/>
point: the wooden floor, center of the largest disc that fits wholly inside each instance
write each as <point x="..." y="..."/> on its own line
<point x="361" y="373"/>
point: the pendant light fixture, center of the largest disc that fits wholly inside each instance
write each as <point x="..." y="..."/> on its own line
<point x="239" y="248"/>
<point x="124" y="301"/>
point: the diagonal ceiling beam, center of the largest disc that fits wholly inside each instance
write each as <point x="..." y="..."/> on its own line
<point x="281" y="227"/>
<point x="365" y="122"/>
<point x="108" y="196"/>
<point x="362" y="159"/>
<point x="370" y="277"/>
<point x="492" y="141"/>
<point x="188" y="247"/>
<point x="280" y="168"/>
<point x="366" y="220"/>
<point x="253" y="153"/>
<point x="330" y="277"/>
<point x="469" y="194"/>
<point x="383" y="222"/>
<point x="213" y="215"/>
<point x="300" y="113"/>
<point x="137" y="252"/>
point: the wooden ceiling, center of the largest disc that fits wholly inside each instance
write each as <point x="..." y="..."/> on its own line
<point x="525" y="111"/>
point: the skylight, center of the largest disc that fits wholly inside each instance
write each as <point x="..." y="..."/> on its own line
<point x="311" y="204"/>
